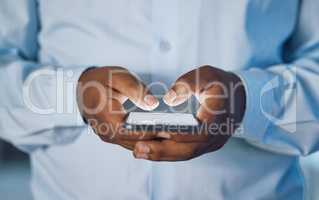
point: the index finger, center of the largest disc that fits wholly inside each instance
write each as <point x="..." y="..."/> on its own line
<point x="127" y="84"/>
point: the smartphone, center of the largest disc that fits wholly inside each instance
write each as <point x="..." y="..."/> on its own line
<point x="157" y="121"/>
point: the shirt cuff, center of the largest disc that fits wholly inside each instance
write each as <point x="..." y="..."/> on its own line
<point x="72" y="117"/>
<point x="260" y="103"/>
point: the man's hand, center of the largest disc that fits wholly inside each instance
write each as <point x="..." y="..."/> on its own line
<point x="222" y="98"/>
<point x="101" y="93"/>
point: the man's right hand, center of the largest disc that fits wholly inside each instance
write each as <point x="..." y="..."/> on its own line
<point x="101" y="93"/>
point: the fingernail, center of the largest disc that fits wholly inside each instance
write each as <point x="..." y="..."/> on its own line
<point x="170" y="96"/>
<point x="142" y="148"/>
<point x="150" y="100"/>
<point x="141" y="156"/>
<point x="164" y="135"/>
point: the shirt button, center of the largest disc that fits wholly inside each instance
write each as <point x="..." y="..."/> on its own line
<point x="164" y="45"/>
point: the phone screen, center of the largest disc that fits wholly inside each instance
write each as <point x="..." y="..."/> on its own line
<point x="161" y="121"/>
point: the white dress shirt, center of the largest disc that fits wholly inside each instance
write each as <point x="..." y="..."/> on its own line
<point x="272" y="45"/>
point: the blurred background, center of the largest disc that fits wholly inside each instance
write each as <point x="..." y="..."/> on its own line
<point x="14" y="173"/>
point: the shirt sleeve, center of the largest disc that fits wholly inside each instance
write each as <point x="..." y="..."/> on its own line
<point x="37" y="101"/>
<point x="282" y="107"/>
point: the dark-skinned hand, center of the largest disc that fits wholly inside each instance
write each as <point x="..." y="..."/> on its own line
<point x="101" y="93"/>
<point x="222" y="105"/>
